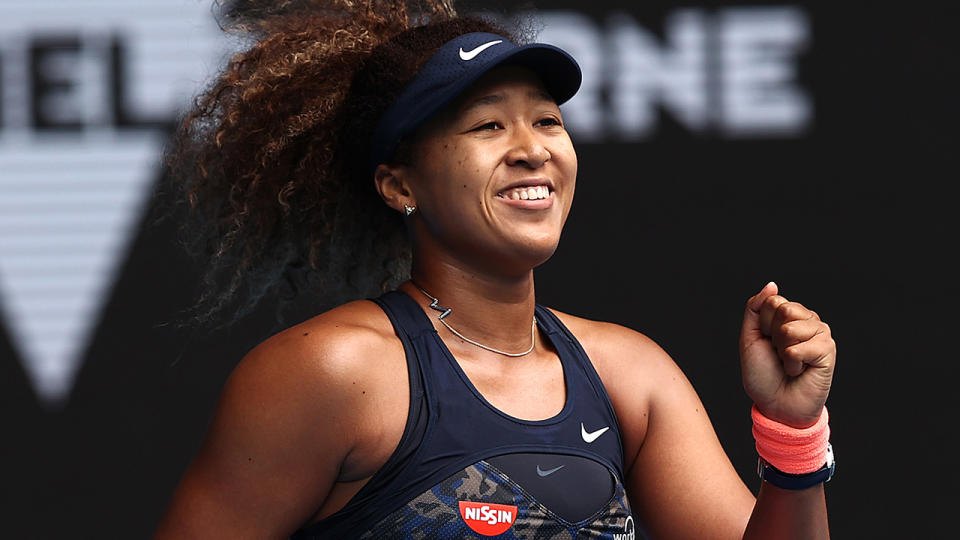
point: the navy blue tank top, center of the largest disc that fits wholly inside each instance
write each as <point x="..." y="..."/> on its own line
<point x="464" y="469"/>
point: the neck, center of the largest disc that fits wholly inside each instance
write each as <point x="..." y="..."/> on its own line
<point x="495" y="310"/>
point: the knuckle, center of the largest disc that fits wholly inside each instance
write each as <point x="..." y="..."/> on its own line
<point x="794" y="331"/>
<point x="796" y="310"/>
<point x="793" y="354"/>
<point x="786" y="328"/>
<point x="822" y="331"/>
<point x="785" y="308"/>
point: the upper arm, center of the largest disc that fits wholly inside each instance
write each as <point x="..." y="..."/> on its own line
<point x="283" y="427"/>
<point x="680" y="482"/>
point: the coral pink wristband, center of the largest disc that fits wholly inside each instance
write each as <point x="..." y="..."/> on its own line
<point x="788" y="449"/>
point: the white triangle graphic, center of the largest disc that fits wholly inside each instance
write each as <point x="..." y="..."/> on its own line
<point x="63" y="233"/>
<point x="70" y="200"/>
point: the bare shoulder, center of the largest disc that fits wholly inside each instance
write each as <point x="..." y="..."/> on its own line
<point x="634" y="369"/>
<point x="614" y="347"/>
<point x="329" y="348"/>
<point x="340" y="365"/>
<point x="287" y="426"/>
<point x="323" y="368"/>
<point x="318" y="361"/>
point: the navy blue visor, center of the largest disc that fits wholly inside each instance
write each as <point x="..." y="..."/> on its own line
<point x="451" y="71"/>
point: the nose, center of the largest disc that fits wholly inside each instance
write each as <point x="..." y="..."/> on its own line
<point x="527" y="150"/>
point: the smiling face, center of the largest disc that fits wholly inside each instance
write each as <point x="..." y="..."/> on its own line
<point x="493" y="176"/>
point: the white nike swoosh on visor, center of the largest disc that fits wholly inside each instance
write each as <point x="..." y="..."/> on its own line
<point x="472" y="53"/>
<point x="592" y="436"/>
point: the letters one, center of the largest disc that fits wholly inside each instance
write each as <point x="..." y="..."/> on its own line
<point x="729" y="72"/>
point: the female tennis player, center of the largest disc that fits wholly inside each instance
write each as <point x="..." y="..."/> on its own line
<point x="365" y="139"/>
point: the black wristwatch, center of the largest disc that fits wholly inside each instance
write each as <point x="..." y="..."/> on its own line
<point x="784" y="480"/>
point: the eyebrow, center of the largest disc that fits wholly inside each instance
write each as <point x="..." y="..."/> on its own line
<point x="491" y="99"/>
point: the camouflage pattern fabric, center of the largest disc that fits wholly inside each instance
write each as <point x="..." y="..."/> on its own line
<point x="436" y="514"/>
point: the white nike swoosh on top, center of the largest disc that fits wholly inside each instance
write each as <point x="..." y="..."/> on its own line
<point x="592" y="436"/>
<point x="548" y="472"/>
<point x="472" y="53"/>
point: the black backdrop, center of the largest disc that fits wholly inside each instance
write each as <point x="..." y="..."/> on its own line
<point x="668" y="235"/>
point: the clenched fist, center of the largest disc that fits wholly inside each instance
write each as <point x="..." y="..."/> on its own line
<point x="787" y="358"/>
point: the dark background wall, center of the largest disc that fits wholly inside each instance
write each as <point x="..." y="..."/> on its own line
<point x="851" y="214"/>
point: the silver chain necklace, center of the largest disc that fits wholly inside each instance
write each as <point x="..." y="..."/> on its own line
<point x="446" y="311"/>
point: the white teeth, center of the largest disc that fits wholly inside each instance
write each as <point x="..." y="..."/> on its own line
<point x="530" y="193"/>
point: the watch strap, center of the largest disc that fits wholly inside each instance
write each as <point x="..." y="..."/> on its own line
<point x="784" y="480"/>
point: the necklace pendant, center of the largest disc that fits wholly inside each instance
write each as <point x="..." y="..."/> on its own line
<point x="434" y="304"/>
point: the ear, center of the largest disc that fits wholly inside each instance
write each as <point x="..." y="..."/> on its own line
<point x="393" y="188"/>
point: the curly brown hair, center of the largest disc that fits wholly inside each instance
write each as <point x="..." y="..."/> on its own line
<point x="272" y="158"/>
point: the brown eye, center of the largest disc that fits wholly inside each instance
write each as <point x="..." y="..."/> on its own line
<point x="487" y="126"/>
<point x="549" y="121"/>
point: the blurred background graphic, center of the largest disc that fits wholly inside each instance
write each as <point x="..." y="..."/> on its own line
<point x="721" y="145"/>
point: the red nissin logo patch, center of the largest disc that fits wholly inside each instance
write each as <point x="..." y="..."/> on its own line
<point x="486" y="518"/>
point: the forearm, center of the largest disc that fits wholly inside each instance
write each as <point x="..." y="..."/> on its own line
<point x="785" y="514"/>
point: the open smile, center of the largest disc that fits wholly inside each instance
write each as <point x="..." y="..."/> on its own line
<point x="530" y="197"/>
<point x="531" y="193"/>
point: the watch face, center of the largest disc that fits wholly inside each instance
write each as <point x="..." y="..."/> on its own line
<point x="831" y="462"/>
